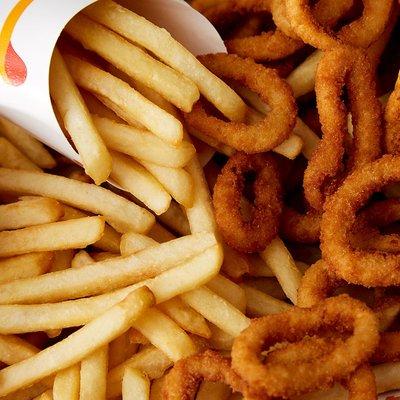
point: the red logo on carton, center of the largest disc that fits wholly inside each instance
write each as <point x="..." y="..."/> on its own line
<point x="12" y="68"/>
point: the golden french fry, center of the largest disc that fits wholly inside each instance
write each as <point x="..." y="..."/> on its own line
<point x="279" y="259"/>
<point x="135" y="179"/>
<point x="156" y="388"/>
<point x="160" y="234"/>
<point x="132" y="243"/>
<point x="260" y="304"/>
<point x="291" y="147"/>
<point x="119" y="92"/>
<point x="220" y="340"/>
<point x="135" y="62"/>
<point x="213" y="391"/>
<point x="27" y="144"/>
<point x="22" y="214"/>
<point x="119" y="272"/>
<point x="93" y="378"/>
<point x="14" y="349"/>
<point x="160" y="43"/>
<point x="62" y="260"/>
<point x="25" y="266"/>
<point x="104" y="256"/>
<point x="302" y="79"/>
<point x="121" y="213"/>
<point x="258" y="267"/>
<point x="78" y="345"/>
<point x="187" y="318"/>
<point x="217" y="310"/>
<point x="165" y="334"/>
<point x="176" y="181"/>
<point x="120" y="349"/>
<point x="175" y="219"/>
<point x="11" y="157"/>
<point x="77" y="233"/>
<point x="66" y="384"/>
<point x="81" y="259"/>
<point x="77" y="121"/>
<point x="142" y="144"/>
<point x="47" y="395"/>
<point x="269" y="286"/>
<point x="135" y="385"/>
<point x="149" y="360"/>
<point x="235" y="264"/>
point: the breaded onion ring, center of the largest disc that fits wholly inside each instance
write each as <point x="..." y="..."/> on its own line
<point x="392" y="121"/>
<point x="183" y="381"/>
<point x="360" y="33"/>
<point x="264" y="135"/>
<point x="337" y="314"/>
<point x="340" y="67"/>
<point x="300" y="228"/>
<point x="272" y="45"/>
<point x="364" y="267"/>
<point x="361" y="385"/>
<point x="388" y="349"/>
<point x="254" y="234"/>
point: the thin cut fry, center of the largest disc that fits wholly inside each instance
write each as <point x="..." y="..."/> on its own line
<point x="14" y="349"/>
<point x="66" y="384"/>
<point x="149" y="360"/>
<point x="62" y="260"/>
<point x="93" y="379"/>
<point x="11" y="157"/>
<point x="77" y="233"/>
<point x="78" y="345"/>
<point x="279" y="259"/>
<point x="135" y="385"/>
<point x="110" y="274"/>
<point x="29" y="213"/>
<point x="165" y="334"/>
<point x="141" y="31"/>
<point x="121" y="349"/>
<point x="135" y="179"/>
<point x="132" y="243"/>
<point x="27" y="144"/>
<point x="81" y="259"/>
<point x="160" y="234"/>
<point x="175" y="219"/>
<point x="124" y="215"/>
<point x="142" y="144"/>
<point x="78" y="122"/>
<point x="156" y="388"/>
<point x="135" y="62"/>
<point x="25" y="266"/>
<point x="119" y="92"/>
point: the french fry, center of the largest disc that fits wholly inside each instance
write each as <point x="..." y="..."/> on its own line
<point x="135" y="62"/>
<point x="165" y="334"/>
<point x="47" y="395"/>
<point x="187" y="318"/>
<point x="78" y="345"/>
<point x="135" y="385"/>
<point x="217" y="310"/>
<point x="132" y="243"/>
<point x="228" y="290"/>
<point x="81" y="259"/>
<point x="66" y="384"/>
<point x="176" y="181"/>
<point x="138" y="338"/>
<point x="25" y="266"/>
<point x="104" y="256"/>
<point x="14" y="349"/>
<point x="149" y="360"/>
<point x="220" y="340"/>
<point x="213" y="391"/>
<point x="302" y="79"/>
<point x="156" y="388"/>
<point x="77" y="233"/>
<point x="99" y="109"/>
<point x="142" y="144"/>
<point x="62" y="260"/>
<point x="291" y="147"/>
<point x="235" y="264"/>
<point x="119" y="92"/>
<point x="161" y="44"/>
<point x="77" y="121"/>
<point x="260" y="304"/>
<point x="279" y="259"/>
<point x="11" y="157"/>
<point x="121" y="213"/>
<point x="27" y="144"/>
<point x="121" y="349"/>
<point x="175" y="219"/>
<point x="160" y="234"/>
<point x="269" y="286"/>
<point x="135" y="179"/>
<point x="258" y="267"/>
<point x="93" y="375"/>
<point x="110" y="241"/>
<point x="26" y="213"/>
<point x="114" y="273"/>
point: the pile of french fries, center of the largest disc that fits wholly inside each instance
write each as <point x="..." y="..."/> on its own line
<point x="103" y="289"/>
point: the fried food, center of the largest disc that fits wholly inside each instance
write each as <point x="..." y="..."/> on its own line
<point x="253" y="233"/>
<point x="271" y="130"/>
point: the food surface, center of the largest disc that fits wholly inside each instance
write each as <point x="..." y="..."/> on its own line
<point x="233" y="229"/>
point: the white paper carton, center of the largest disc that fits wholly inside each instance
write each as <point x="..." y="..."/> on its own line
<point x="29" y="32"/>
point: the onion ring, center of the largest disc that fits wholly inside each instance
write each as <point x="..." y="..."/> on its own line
<point x="272" y="45"/>
<point x="388" y="349"/>
<point x="360" y="33"/>
<point x="264" y="135"/>
<point x="183" y="380"/>
<point x="343" y="66"/>
<point x="392" y="121"/>
<point x="339" y="314"/>
<point x="361" y="385"/>
<point x="255" y="234"/>
<point x="364" y="267"/>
